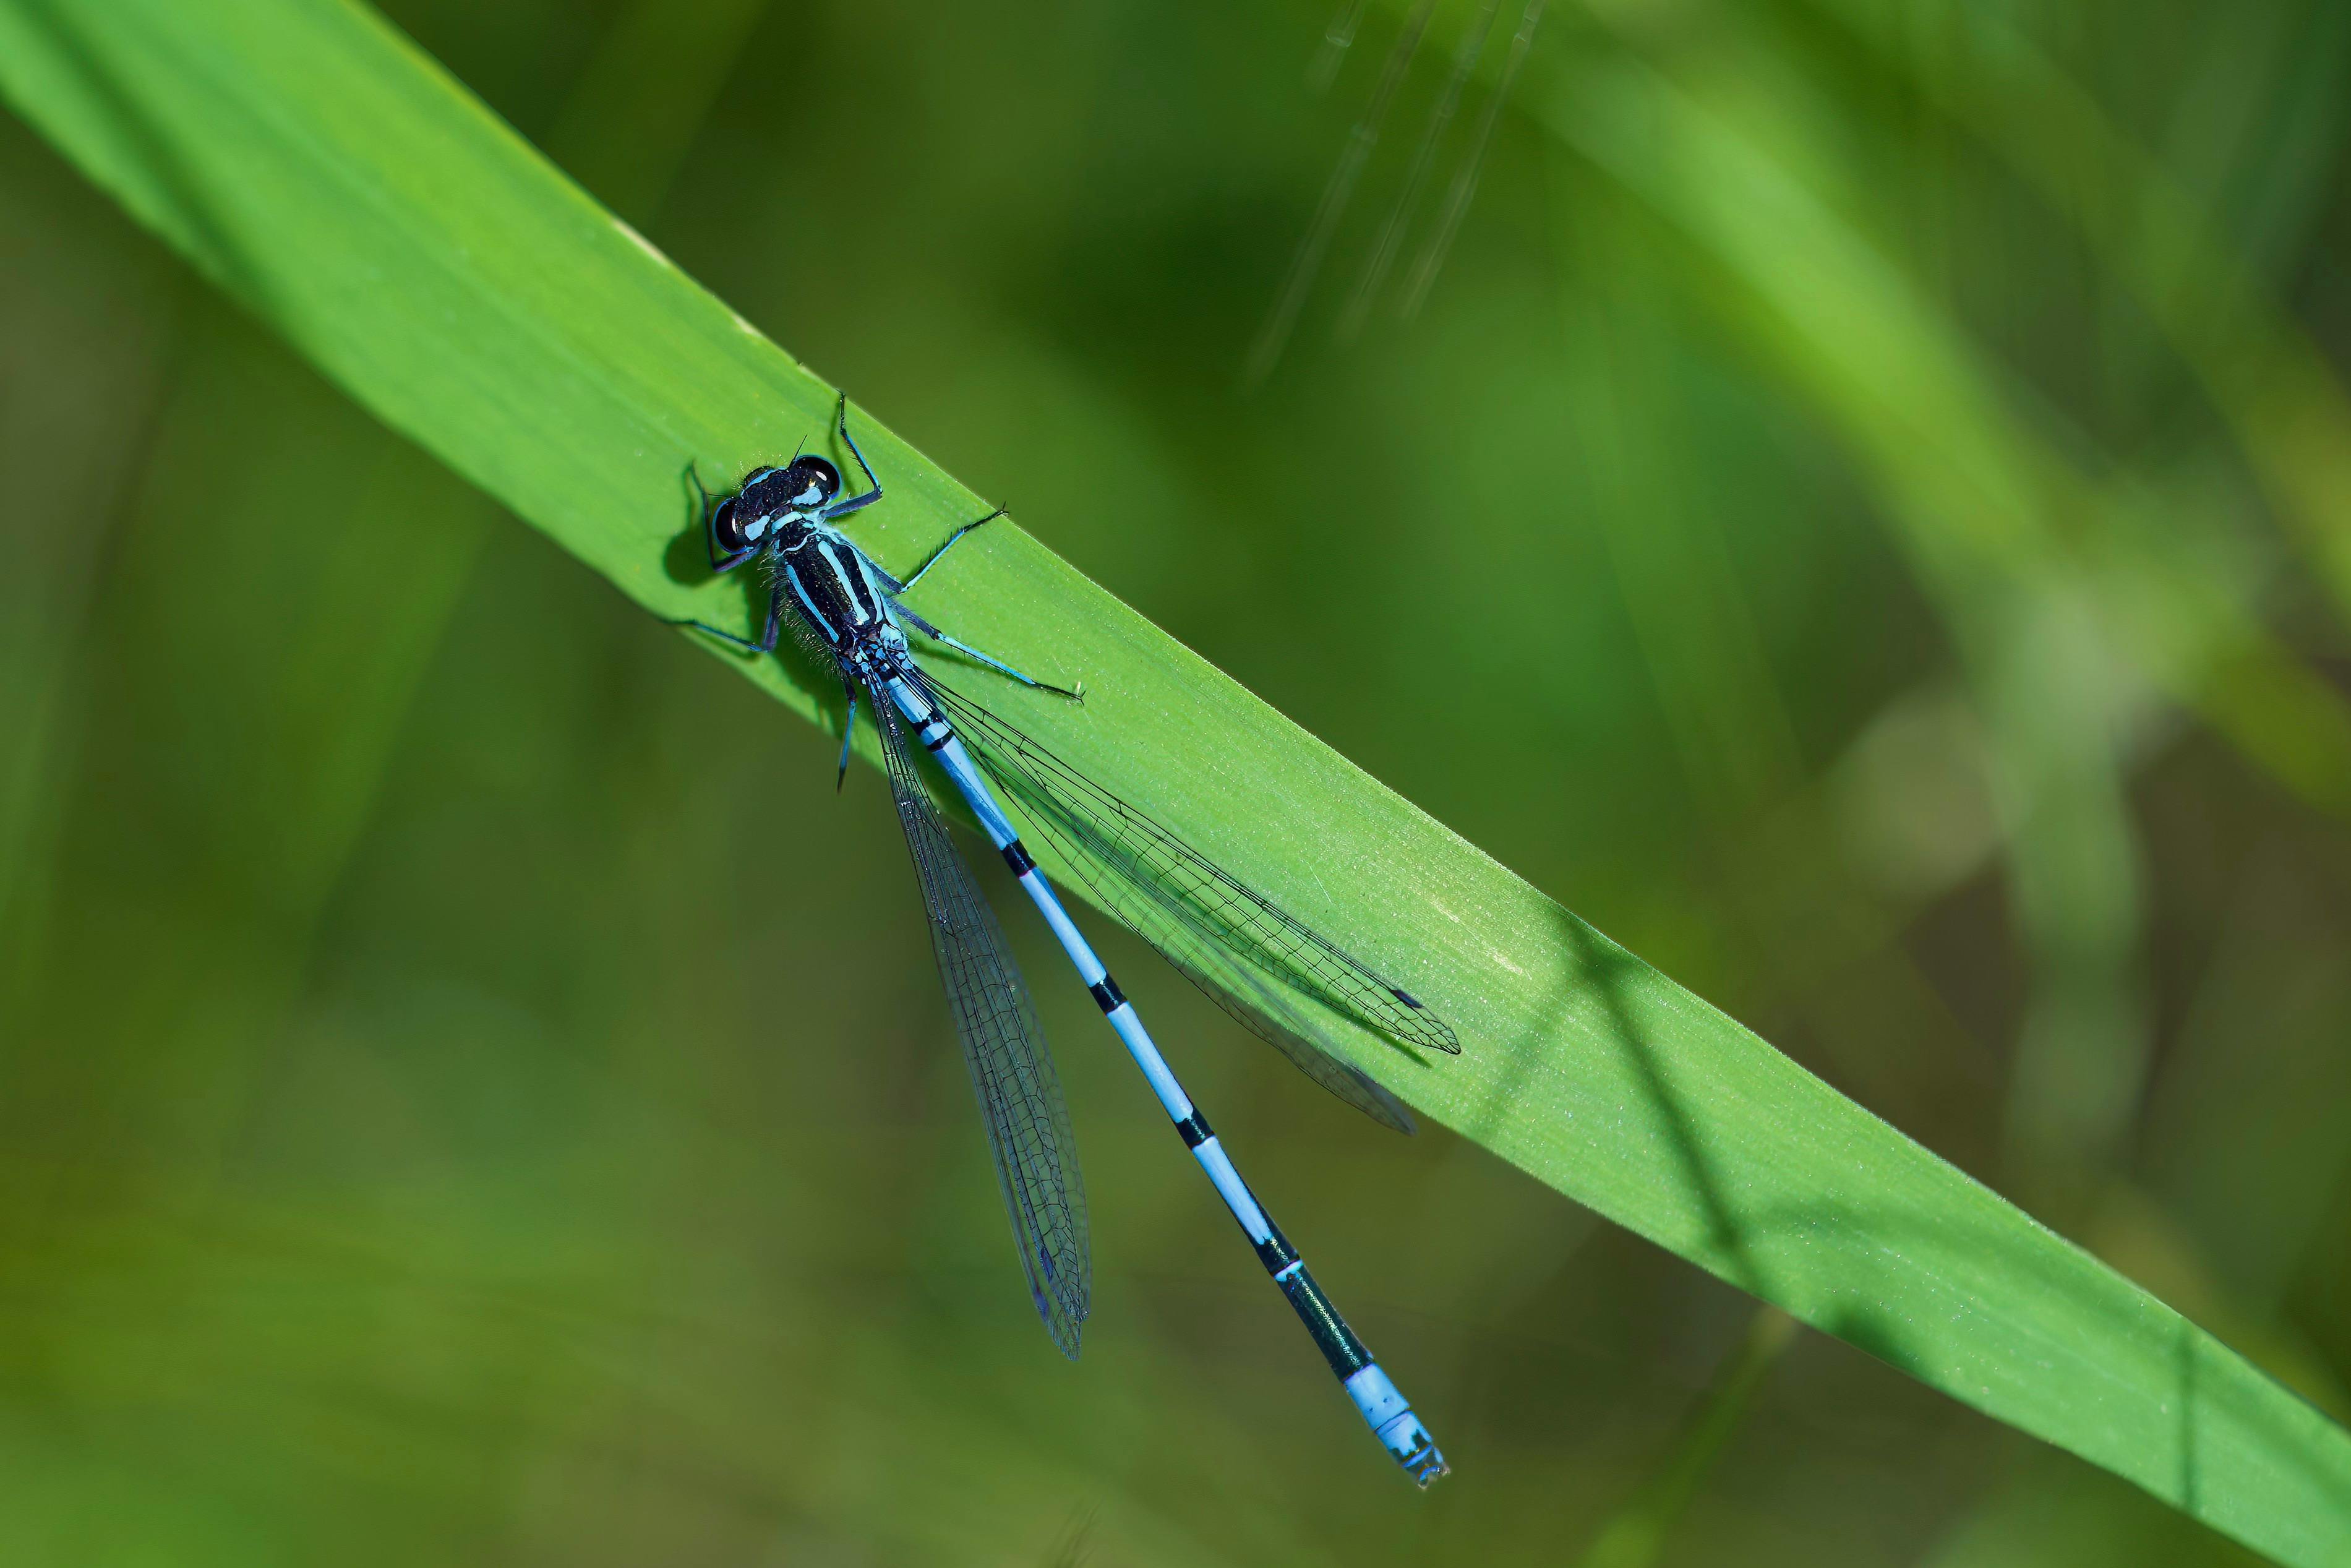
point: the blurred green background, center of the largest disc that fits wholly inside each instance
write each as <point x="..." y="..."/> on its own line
<point x="1862" y="517"/>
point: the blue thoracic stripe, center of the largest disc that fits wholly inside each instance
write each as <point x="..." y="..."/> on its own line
<point x="857" y="608"/>
<point x="1106" y="992"/>
<point x="792" y="575"/>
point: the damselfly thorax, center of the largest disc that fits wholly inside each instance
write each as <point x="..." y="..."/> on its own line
<point x="831" y="585"/>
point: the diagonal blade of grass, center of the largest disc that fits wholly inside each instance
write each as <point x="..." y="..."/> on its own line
<point x="311" y="161"/>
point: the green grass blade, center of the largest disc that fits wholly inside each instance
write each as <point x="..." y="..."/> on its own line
<point x="316" y="165"/>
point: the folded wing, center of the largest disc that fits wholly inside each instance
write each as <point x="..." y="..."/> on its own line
<point x="1011" y="1071"/>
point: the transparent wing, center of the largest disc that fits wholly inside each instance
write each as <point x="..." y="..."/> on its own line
<point x="1019" y="1096"/>
<point x="1243" y="993"/>
<point x="1223" y="934"/>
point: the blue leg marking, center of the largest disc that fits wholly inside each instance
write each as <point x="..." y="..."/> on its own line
<point x="767" y="644"/>
<point x="848" y="734"/>
<point x="935" y="635"/>
<point x="942" y="549"/>
<point x="854" y="503"/>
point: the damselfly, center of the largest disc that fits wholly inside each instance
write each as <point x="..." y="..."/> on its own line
<point x="1235" y="944"/>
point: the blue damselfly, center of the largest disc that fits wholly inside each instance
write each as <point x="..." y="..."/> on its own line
<point x="1237" y="944"/>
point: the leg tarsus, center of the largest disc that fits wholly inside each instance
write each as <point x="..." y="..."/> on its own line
<point x="1076" y="694"/>
<point x="950" y="544"/>
<point x="854" y="503"/>
<point x="767" y="644"/>
<point x="848" y="734"/>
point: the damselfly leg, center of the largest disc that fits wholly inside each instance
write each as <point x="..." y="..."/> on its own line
<point x="854" y="503"/>
<point x="940" y="553"/>
<point x="1075" y="694"/>
<point x="848" y="734"/>
<point x="767" y="642"/>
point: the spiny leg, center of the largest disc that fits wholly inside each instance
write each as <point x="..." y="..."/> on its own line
<point x="767" y="644"/>
<point x="848" y="734"/>
<point x="935" y="635"/>
<point x="854" y="503"/>
<point x="1075" y="694"/>
<point x="949" y="545"/>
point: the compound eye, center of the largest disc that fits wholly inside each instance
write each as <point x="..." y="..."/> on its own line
<point x="726" y="526"/>
<point x="813" y="482"/>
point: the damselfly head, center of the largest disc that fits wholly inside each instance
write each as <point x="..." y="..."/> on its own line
<point x="809" y="482"/>
<point x="768" y="498"/>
